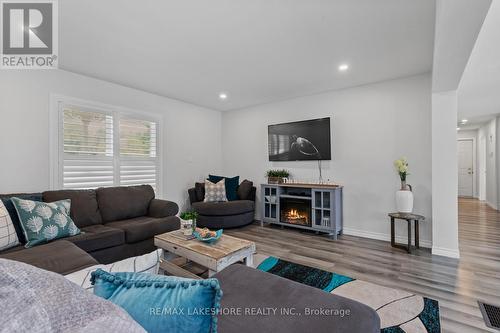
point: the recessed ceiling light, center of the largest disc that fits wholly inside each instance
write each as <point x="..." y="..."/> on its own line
<point x="464" y="121"/>
<point x="343" y="67"/>
<point x="223" y="96"/>
<point x="458" y="128"/>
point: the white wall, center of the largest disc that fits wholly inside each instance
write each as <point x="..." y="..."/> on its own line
<point x="472" y="134"/>
<point x="191" y="148"/>
<point x="444" y="174"/>
<point x="372" y="126"/>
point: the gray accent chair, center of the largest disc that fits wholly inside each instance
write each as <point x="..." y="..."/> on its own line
<point x="222" y="215"/>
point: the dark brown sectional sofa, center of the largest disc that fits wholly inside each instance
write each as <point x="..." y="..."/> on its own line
<point x="115" y="223"/>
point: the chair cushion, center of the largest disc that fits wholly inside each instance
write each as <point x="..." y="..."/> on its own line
<point x="142" y="228"/>
<point x="224" y="208"/>
<point x="97" y="237"/>
<point x="231" y="185"/>
<point x="245" y="189"/>
<point x="13" y="213"/>
<point x="61" y="256"/>
<point x="124" y="202"/>
<point x="84" y="208"/>
<point x="200" y="191"/>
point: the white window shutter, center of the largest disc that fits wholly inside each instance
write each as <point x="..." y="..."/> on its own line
<point x="105" y="148"/>
<point x="136" y="172"/>
<point x="87" y="173"/>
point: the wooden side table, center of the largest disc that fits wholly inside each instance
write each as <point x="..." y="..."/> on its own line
<point x="408" y="217"/>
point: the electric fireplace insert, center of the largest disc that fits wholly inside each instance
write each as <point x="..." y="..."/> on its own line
<point x="295" y="211"/>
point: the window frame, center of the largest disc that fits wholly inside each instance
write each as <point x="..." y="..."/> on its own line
<point x="57" y="155"/>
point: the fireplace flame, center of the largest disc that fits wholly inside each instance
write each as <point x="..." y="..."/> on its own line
<point x="294" y="214"/>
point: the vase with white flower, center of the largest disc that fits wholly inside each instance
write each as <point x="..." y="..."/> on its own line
<point x="404" y="197"/>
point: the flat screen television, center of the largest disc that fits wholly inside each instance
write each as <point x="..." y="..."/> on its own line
<point x="300" y="141"/>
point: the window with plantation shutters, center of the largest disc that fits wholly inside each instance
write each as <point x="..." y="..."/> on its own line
<point x="138" y="152"/>
<point x="100" y="147"/>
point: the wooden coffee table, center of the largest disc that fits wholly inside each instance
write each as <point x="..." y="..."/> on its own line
<point x="215" y="256"/>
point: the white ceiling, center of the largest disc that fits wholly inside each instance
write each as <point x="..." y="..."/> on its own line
<point x="479" y="91"/>
<point x="258" y="51"/>
<point x="458" y="23"/>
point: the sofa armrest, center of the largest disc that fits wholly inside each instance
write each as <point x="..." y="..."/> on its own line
<point x="192" y="195"/>
<point x="162" y="208"/>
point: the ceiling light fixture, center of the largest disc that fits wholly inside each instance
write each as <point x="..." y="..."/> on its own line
<point x="458" y="128"/>
<point x="464" y="121"/>
<point x="223" y="96"/>
<point x="343" y="67"/>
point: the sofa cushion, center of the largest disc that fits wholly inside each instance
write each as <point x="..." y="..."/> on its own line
<point x="142" y="228"/>
<point x="245" y="189"/>
<point x="138" y="293"/>
<point x="224" y="208"/>
<point x="121" y="203"/>
<point x="13" y="213"/>
<point x="246" y="287"/>
<point x="61" y="256"/>
<point x="84" y="208"/>
<point x="43" y="222"/>
<point x="8" y="236"/>
<point x="97" y="237"/>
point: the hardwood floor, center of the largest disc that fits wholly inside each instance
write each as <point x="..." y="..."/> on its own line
<point x="456" y="284"/>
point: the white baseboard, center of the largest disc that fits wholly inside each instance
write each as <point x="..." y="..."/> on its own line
<point x="383" y="237"/>
<point x="491" y="205"/>
<point x="445" y="252"/>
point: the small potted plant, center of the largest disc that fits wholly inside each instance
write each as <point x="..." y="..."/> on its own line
<point x="188" y="222"/>
<point x="277" y="176"/>
<point x="404" y="197"/>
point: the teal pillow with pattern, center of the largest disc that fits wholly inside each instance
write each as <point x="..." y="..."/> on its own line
<point x="43" y="222"/>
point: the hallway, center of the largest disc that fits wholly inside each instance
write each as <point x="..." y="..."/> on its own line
<point x="479" y="238"/>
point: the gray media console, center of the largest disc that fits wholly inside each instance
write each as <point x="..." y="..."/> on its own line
<point x="306" y="206"/>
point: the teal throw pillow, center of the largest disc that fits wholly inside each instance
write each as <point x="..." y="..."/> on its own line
<point x="231" y="185"/>
<point x="43" y="222"/>
<point x="162" y="303"/>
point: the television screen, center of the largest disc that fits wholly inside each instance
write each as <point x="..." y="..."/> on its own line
<point x="300" y="140"/>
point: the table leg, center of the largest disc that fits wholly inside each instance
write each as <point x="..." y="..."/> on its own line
<point x="249" y="261"/>
<point x="409" y="235"/>
<point x="417" y="235"/>
<point x="392" y="232"/>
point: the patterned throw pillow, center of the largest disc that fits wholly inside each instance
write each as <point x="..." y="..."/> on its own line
<point x="215" y="192"/>
<point x="43" y="222"/>
<point x="8" y="237"/>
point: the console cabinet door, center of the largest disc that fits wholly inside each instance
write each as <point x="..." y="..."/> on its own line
<point x="270" y="204"/>
<point x="323" y="208"/>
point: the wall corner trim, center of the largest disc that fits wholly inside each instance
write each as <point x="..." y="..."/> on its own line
<point x="445" y="252"/>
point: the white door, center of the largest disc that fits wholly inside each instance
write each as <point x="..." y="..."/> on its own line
<point x="465" y="168"/>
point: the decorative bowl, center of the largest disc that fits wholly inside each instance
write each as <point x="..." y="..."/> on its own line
<point x="197" y="235"/>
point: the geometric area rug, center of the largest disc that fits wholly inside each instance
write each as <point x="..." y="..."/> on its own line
<point x="399" y="311"/>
